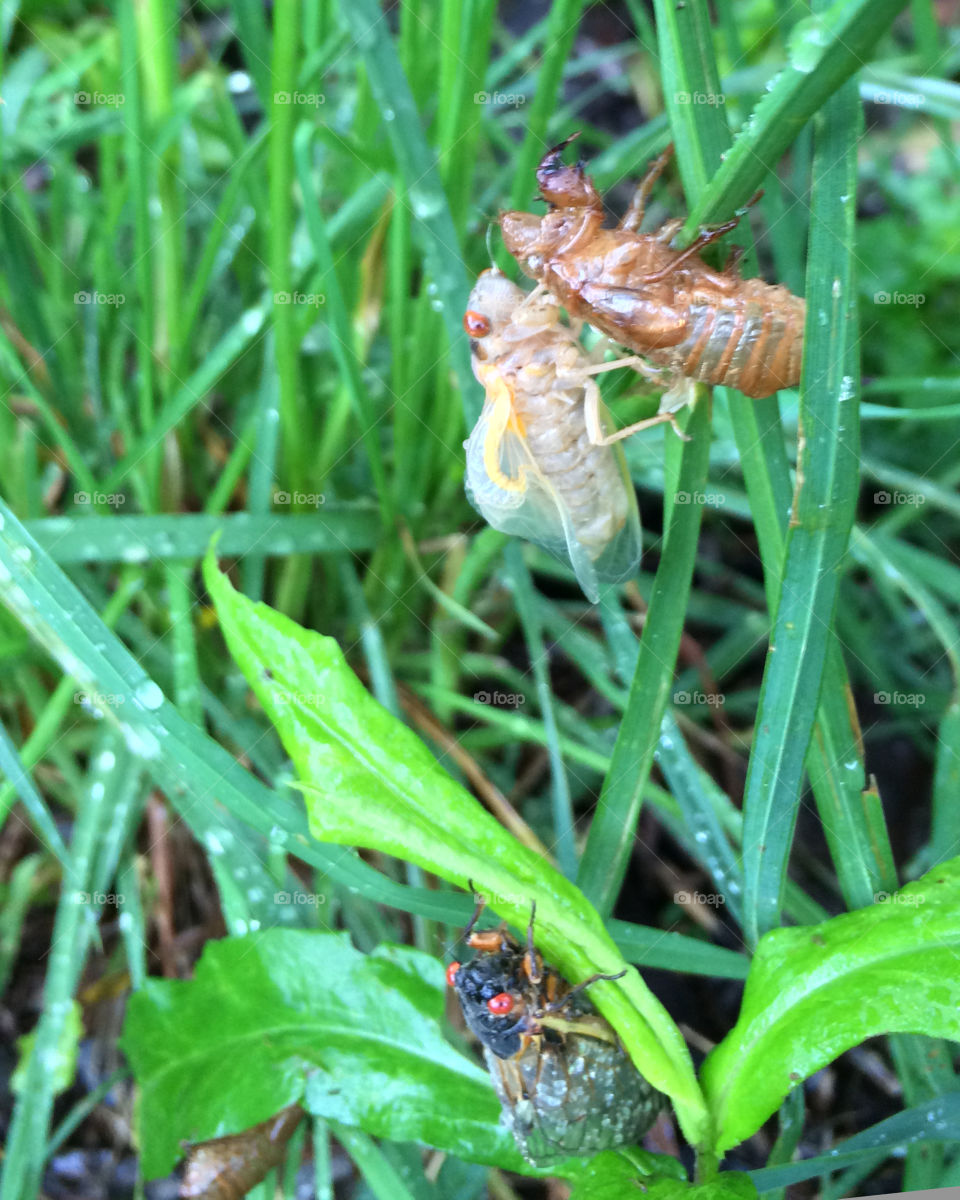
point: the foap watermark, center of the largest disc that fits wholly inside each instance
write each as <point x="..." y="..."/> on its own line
<point x="498" y="898"/>
<point x="307" y="299"/>
<point x="301" y="99"/>
<point x="895" y="498"/>
<point x="300" y="499"/>
<point x="116" y="898"/>
<point x="310" y="899"/>
<point x="900" y="699"/>
<point x="910" y="299"/>
<point x="105" y="99"/>
<point x="113" y="499"/>
<point x="711" y="699"/>
<point x="900" y="99"/>
<point x="284" y="698"/>
<point x="912" y="900"/>
<point x="713" y="99"/>
<point x="100" y="700"/>
<point x="500" y="99"/>
<point x="501" y="699"/>
<point x="715" y="499"/>
<point x="710" y="899"/>
<point x="110" y="299"/>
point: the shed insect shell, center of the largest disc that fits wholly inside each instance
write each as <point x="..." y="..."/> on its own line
<point x="566" y="1085"/>
<point x="535" y="465"/>
<point x="666" y="304"/>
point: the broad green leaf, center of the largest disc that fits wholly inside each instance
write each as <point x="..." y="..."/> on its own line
<point x="614" y="1174"/>
<point x="371" y="782"/>
<point x="815" y="991"/>
<point x="282" y="1016"/>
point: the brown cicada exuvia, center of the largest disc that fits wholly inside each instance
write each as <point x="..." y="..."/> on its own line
<point x="668" y="305"/>
<point x="566" y="1084"/>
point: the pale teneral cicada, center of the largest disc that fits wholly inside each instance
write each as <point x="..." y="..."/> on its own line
<point x="566" y="1085"/>
<point x="541" y="463"/>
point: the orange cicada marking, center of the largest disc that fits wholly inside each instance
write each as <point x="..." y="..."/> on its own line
<point x="668" y="305"/>
<point x="451" y="973"/>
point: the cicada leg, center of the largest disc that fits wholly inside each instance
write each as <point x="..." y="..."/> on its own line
<point x="704" y="238"/>
<point x="633" y="218"/>
<point x="591" y="414"/>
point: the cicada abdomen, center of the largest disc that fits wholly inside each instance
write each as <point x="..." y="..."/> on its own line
<point x="665" y="304"/>
<point x="566" y="1085"/>
<point x="537" y="465"/>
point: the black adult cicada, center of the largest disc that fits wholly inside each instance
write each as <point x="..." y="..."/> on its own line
<point x="566" y="1085"/>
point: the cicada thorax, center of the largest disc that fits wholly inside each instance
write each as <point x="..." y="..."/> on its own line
<point x="566" y="1085"/>
<point x="666" y="304"/>
<point x="532" y="467"/>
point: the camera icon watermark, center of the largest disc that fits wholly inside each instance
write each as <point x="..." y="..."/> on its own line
<point x="714" y="499"/>
<point x="308" y="899"/>
<point x="708" y="899"/>
<point x="300" y="499"/>
<point x="113" y="499"/>
<point x="500" y="99"/>
<point x="711" y="699"/>
<point x="300" y="99"/>
<point x="110" y="299"/>
<point x="913" y="900"/>
<point x="500" y="699"/>
<point x="117" y="898"/>
<point x="900" y="699"/>
<point x="104" y="99"/>
<point x="897" y="498"/>
<point x="99" y="700"/>
<point x="712" y="99"/>
<point x="303" y="299"/>
<point x="909" y="299"/>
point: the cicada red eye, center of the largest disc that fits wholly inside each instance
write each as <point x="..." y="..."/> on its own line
<point x="452" y="973"/>
<point x="501" y="1004"/>
<point x="476" y="324"/>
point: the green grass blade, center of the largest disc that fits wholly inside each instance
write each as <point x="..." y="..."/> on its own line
<point x="822" y="519"/>
<point x="609" y="843"/>
<point x="823" y="52"/>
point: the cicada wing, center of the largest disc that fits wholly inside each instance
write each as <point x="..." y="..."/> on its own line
<point x="538" y="512"/>
<point x="620" y="557"/>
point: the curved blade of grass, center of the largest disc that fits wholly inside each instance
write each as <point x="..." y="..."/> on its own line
<point x="561" y="29"/>
<point x="371" y="782"/>
<point x="934" y="1121"/>
<point x="824" y="50"/>
<point x="73" y="927"/>
<point x="612" y="832"/>
<point x="563" y="822"/>
<point x="836" y="755"/>
<point x="336" y="526"/>
<point x="823" y="514"/>
<point x="444" y="261"/>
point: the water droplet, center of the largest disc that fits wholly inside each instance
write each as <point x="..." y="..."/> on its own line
<point x="806" y="44"/>
<point x="251" y="320"/>
<point x="388" y="114"/>
<point x="148" y="694"/>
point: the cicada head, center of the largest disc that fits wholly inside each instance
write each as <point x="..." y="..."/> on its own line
<point x="490" y="990"/>
<point x="491" y="306"/>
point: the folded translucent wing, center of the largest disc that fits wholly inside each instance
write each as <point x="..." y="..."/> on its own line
<point x="539" y="512"/>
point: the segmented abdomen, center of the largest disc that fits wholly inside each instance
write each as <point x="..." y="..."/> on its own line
<point x="587" y="477"/>
<point x="754" y="343"/>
